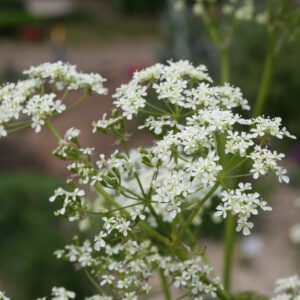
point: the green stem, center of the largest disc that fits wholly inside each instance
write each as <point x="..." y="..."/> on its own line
<point x="93" y="281"/>
<point x="78" y="101"/>
<point x="144" y="226"/>
<point x="267" y="74"/>
<point x="229" y="249"/>
<point x="221" y="293"/>
<point x="265" y="85"/>
<point x="212" y="29"/>
<point x="18" y="128"/>
<point x="225" y="65"/>
<point x="53" y="130"/>
<point x="165" y="286"/>
<point x="196" y="210"/>
<point x="157" y="108"/>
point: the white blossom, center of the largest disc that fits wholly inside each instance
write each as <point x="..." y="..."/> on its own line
<point x="60" y="293"/>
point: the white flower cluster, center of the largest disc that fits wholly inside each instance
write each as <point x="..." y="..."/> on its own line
<point x="40" y="107"/>
<point x="167" y="80"/>
<point x="127" y="268"/>
<point x="200" y="143"/>
<point x="241" y="10"/>
<point x="29" y="102"/>
<point x="188" y="125"/>
<point x="60" y="293"/>
<point x="116" y="223"/>
<point x="265" y="160"/>
<point x="287" y="288"/>
<point x="243" y="204"/>
<point x="79" y="254"/>
<point x="66" y="76"/>
<point x="73" y="203"/>
<point x="3" y="297"/>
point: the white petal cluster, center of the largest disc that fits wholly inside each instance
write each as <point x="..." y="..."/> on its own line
<point x="265" y="160"/>
<point x="60" y="293"/>
<point x="73" y="202"/>
<point x="187" y="277"/>
<point x="206" y="169"/>
<point x="287" y="288"/>
<point x="238" y="142"/>
<point x="118" y="224"/>
<point x="171" y="191"/>
<point x="186" y="151"/>
<point x="66" y="76"/>
<point x="81" y="254"/>
<point x="104" y="123"/>
<point x="158" y="125"/>
<point x="201" y="142"/>
<point x="130" y="275"/>
<point x="270" y="127"/>
<point x="166" y="80"/>
<point x="3" y="297"/>
<point x="243" y="204"/>
<point x="98" y="297"/>
<point x="13" y="98"/>
<point x="131" y="98"/>
<point x="30" y="102"/>
<point x="39" y="108"/>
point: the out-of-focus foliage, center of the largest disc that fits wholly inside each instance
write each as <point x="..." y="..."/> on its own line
<point x="247" y="58"/>
<point x="13" y="16"/>
<point x="250" y="296"/>
<point x="139" y="6"/>
<point x="29" y="234"/>
<point x="284" y="97"/>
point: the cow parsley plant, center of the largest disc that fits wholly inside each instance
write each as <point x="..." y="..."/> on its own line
<point x="150" y="199"/>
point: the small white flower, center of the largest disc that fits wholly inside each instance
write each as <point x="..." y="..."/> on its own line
<point x="60" y="293"/>
<point x="3" y="297"/>
<point x="99" y="240"/>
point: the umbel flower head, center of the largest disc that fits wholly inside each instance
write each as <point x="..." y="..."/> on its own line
<point x="27" y="102"/>
<point x="148" y="198"/>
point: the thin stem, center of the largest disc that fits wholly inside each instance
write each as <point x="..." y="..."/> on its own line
<point x="113" y="210"/>
<point x="157" y="218"/>
<point x="165" y="286"/>
<point x="156" y="235"/>
<point x="225" y="65"/>
<point x="18" y="128"/>
<point x="240" y="175"/>
<point x="196" y="210"/>
<point x="139" y="183"/>
<point x="93" y="281"/>
<point x="132" y="193"/>
<point x="229" y="247"/>
<point x="53" y="130"/>
<point x="236" y="166"/>
<point x="188" y="231"/>
<point x="157" y="108"/>
<point x="19" y="123"/>
<point x="65" y="94"/>
<point x="267" y="74"/>
<point x="265" y="85"/>
<point x="151" y="112"/>
<point x="78" y="101"/>
<point x="169" y="106"/>
<point x="212" y="29"/>
<point x="183" y="296"/>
